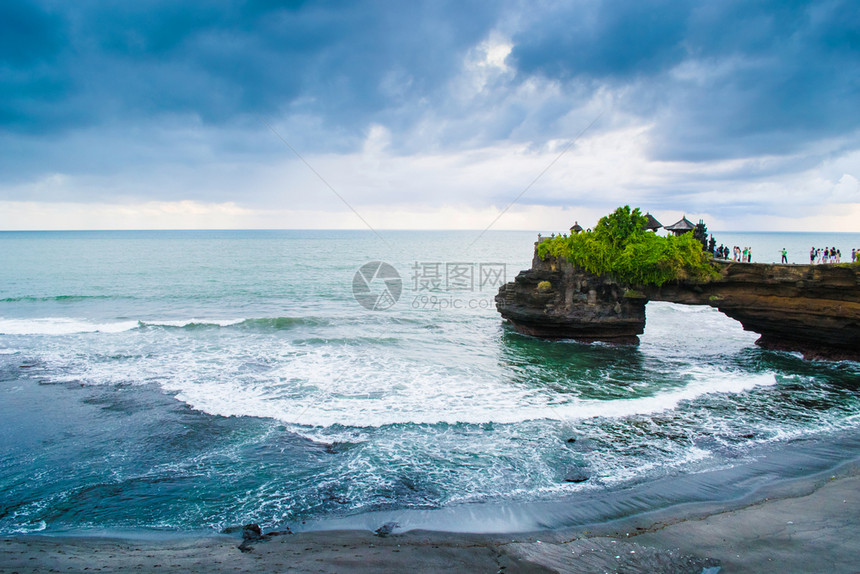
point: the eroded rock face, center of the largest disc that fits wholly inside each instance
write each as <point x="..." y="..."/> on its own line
<point x="813" y="309"/>
<point x="555" y="300"/>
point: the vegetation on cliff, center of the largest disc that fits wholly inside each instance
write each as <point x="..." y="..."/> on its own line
<point x="620" y="246"/>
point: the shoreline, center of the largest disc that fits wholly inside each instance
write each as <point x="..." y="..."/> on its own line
<point x="796" y="525"/>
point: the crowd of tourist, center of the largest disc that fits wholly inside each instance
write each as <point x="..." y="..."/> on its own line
<point x="817" y="255"/>
<point x="744" y="255"/>
<point x="828" y="255"/>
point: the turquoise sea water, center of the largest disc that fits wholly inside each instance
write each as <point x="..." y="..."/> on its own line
<point x="196" y="381"/>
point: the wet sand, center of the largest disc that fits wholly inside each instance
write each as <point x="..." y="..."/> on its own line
<point x="806" y="525"/>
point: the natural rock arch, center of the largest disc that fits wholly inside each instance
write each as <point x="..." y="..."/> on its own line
<point x="812" y="309"/>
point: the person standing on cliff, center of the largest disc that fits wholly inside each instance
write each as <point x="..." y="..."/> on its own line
<point x="784" y="255"/>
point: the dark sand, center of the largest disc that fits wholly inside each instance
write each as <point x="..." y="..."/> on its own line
<point x="808" y="525"/>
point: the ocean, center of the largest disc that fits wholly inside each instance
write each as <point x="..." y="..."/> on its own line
<point x="195" y="381"/>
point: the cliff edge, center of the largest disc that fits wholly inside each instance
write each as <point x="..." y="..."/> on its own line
<point x="811" y="309"/>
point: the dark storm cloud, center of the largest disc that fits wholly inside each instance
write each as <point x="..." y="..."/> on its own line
<point x="92" y="87"/>
<point x="218" y="61"/>
<point x="27" y="34"/>
<point x="603" y="40"/>
<point x="721" y="79"/>
<point x="30" y="41"/>
<point x="757" y="72"/>
<point x="123" y="89"/>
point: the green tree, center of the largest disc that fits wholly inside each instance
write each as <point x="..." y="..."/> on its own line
<point x="621" y="227"/>
<point x="620" y="247"/>
<point x="701" y="234"/>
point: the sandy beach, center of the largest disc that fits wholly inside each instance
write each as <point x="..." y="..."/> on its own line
<point x="804" y="525"/>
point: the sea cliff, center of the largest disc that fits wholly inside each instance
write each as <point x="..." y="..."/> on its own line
<point x="811" y="309"/>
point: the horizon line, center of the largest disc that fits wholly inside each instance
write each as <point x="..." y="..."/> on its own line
<point x="362" y="229"/>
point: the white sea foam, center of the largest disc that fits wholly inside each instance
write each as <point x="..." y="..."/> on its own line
<point x="703" y="381"/>
<point x="61" y="326"/>
<point x="29" y="528"/>
<point x="326" y="386"/>
<point x="70" y="326"/>
<point x="704" y="330"/>
<point x="366" y="385"/>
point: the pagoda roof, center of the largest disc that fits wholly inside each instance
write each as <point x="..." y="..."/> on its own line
<point x="651" y="222"/>
<point x="576" y="227"/>
<point x="683" y="225"/>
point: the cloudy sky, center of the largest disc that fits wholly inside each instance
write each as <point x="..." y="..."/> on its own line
<point x="428" y="114"/>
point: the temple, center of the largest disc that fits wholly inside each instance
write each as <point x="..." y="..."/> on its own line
<point x="681" y="227"/>
<point x="651" y="223"/>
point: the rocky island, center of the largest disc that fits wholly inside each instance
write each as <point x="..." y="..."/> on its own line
<point x="811" y="309"/>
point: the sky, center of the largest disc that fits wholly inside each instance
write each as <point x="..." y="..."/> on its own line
<point x="428" y="114"/>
